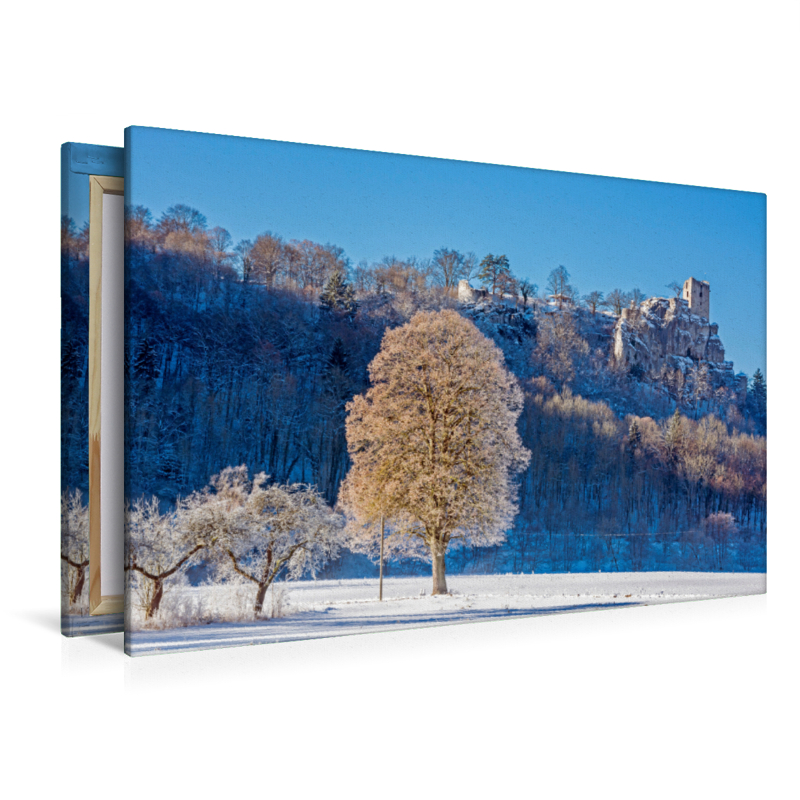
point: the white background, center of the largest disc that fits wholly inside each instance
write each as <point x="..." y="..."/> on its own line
<point x="695" y="700"/>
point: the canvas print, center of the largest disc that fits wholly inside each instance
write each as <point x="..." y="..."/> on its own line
<point x="368" y="391"/>
<point x="79" y="162"/>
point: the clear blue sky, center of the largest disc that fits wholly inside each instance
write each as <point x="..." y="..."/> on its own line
<point x="608" y="232"/>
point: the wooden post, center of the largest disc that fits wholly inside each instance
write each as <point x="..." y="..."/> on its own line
<point x="380" y="585"/>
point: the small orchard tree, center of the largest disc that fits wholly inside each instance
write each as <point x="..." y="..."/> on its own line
<point x="270" y="529"/>
<point x="75" y="542"/>
<point x="434" y="442"/>
<point x="158" y="545"/>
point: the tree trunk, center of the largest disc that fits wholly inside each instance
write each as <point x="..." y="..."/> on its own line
<point x="158" y="593"/>
<point x="380" y="583"/>
<point x="260" y="595"/>
<point x="77" y="590"/>
<point x="439" y="583"/>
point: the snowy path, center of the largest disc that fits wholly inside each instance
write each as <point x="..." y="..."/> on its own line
<point x="341" y="608"/>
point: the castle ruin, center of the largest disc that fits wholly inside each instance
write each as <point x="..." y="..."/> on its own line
<point x="697" y="294"/>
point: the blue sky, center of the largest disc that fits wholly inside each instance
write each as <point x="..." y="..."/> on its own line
<point x="608" y="232"/>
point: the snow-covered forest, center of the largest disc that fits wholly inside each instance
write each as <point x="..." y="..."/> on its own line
<point x="248" y="353"/>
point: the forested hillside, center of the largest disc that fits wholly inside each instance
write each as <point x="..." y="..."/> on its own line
<point x="248" y="353"/>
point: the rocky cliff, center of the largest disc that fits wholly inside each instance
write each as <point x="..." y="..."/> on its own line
<point x="664" y="335"/>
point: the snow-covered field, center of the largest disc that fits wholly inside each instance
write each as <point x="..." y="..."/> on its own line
<point x="315" y="609"/>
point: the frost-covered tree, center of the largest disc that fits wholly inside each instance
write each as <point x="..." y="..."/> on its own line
<point x="701" y="384"/>
<point x="75" y="542"/>
<point x="560" y="349"/>
<point x="159" y="545"/>
<point x="263" y="531"/>
<point x="434" y="442"/>
<point x="673" y="439"/>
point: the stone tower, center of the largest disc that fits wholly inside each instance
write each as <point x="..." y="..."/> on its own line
<point x="697" y="294"/>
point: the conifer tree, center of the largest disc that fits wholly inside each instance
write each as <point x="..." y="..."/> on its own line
<point x="338" y="358"/>
<point x="673" y="438"/>
<point x="492" y="268"/>
<point x="634" y="437"/>
<point x="758" y="393"/>
<point x="145" y="365"/>
<point x="69" y="361"/>
<point x="338" y="295"/>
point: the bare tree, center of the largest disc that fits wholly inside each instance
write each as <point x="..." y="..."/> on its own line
<point x="720" y="529"/>
<point x="181" y="218"/>
<point x="637" y="297"/>
<point x="616" y="300"/>
<point x="527" y="289"/>
<point x="434" y="442"/>
<point x="220" y="241"/>
<point x="559" y="286"/>
<point x="244" y="255"/>
<point x="266" y="257"/>
<point x="593" y="301"/>
<point x="448" y="267"/>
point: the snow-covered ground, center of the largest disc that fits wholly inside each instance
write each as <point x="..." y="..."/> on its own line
<point x="315" y="609"/>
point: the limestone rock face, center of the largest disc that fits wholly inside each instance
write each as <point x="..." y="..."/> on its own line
<point x="507" y="320"/>
<point x="466" y="294"/>
<point x="663" y="333"/>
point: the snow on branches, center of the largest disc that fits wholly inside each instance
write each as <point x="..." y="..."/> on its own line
<point x="249" y="530"/>
<point x="272" y="529"/>
<point x="157" y="547"/>
<point x="434" y="441"/>
<point x="75" y="544"/>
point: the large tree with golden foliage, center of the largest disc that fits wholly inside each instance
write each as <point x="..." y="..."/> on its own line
<point x="434" y="442"/>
